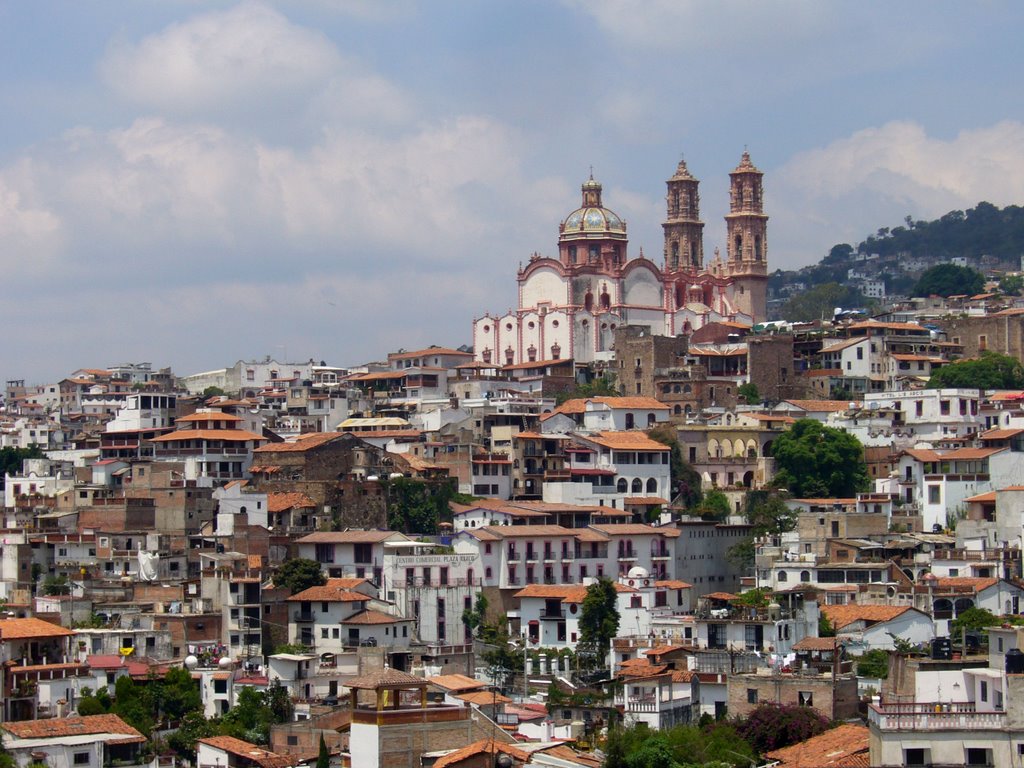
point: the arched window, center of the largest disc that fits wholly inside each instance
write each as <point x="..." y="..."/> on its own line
<point x="469" y="576"/>
<point x="588" y="301"/>
<point x="783" y="576"/>
<point x="488" y="572"/>
<point x="757" y="247"/>
<point x="676" y="389"/>
<point x="638" y="485"/>
<point x="650" y="419"/>
<point x="739" y="246"/>
<point x="687" y="389"/>
<point x="805" y="576"/>
<point x="630" y="422"/>
<point x="652" y="485"/>
<point x="677" y="410"/>
<point x="622" y="486"/>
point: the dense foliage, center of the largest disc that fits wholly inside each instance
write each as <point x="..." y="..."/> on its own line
<point x="749" y="393"/>
<point x="815" y="461"/>
<point x="11" y="460"/>
<point x="599" y="623"/>
<point x="299" y="574"/>
<point x="773" y="726"/>
<point x="768" y="515"/>
<point x="416" y="505"/>
<point x="973" y="619"/>
<point x="603" y="386"/>
<point x="685" y="479"/>
<point x="874" y="663"/>
<point x="820" y="302"/>
<point x="156" y="702"/>
<point x="991" y="370"/>
<point x="949" y="280"/>
<point x="684" y="746"/>
<point x="714" y="506"/>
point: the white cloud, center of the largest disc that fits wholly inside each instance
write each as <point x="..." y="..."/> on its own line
<point x="874" y="177"/>
<point x="241" y="57"/>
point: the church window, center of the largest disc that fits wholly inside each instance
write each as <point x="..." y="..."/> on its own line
<point x="554" y="323"/>
<point x="556" y="352"/>
<point x="487" y="355"/>
<point x="508" y="326"/>
<point x="487" y="329"/>
<point x="531" y="325"/>
<point x="606" y="300"/>
<point x="739" y="246"/>
<point x="510" y="356"/>
<point x="693" y="254"/>
<point x="572" y="254"/>
<point x="588" y="301"/>
<point x="675" y="254"/>
<point x="595" y="253"/>
<point x="687" y="389"/>
<point x="757" y="247"/>
<point x="675" y="201"/>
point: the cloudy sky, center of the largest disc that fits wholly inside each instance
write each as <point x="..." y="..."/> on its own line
<point x="191" y="183"/>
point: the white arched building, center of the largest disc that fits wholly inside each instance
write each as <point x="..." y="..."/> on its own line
<point x="569" y="307"/>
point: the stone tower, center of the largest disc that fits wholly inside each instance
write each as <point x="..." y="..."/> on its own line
<point x="684" y="231"/>
<point x="747" y="236"/>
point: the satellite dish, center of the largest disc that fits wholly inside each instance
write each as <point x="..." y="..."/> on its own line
<point x="225" y="662"/>
<point x="191" y="662"/>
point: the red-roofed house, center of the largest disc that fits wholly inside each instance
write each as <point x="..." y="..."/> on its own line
<point x="73" y="742"/>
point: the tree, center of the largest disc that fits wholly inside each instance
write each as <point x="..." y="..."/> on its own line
<point x="193" y="726"/>
<point x="820" y="302"/>
<point x="12" y="459"/>
<point x="599" y="622"/>
<point x="1012" y="285"/>
<point x="132" y="704"/>
<point x="323" y="757"/>
<point x="56" y="585"/>
<point x="213" y="391"/>
<point x="685" y="479"/>
<point x="768" y="515"/>
<point x="714" y="506"/>
<point x="178" y="694"/>
<point x="874" y="663"/>
<point x="749" y="393"/>
<point x="416" y="505"/>
<point x="990" y="370"/>
<point x="717" y="745"/>
<point x="949" y="280"/>
<point x="818" y="461"/>
<point x="773" y="726"/>
<point x="973" y="620"/>
<point x="475" y="618"/>
<point x="603" y="386"/>
<point x="825" y="626"/>
<point x="298" y="574"/>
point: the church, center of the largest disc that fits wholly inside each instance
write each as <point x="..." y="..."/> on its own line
<point x="570" y="306"/>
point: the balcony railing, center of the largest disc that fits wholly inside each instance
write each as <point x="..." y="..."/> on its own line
<point x="934" y="717"/>
<point x="305" y="616"/>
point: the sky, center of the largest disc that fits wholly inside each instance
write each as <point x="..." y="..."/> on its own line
<point x="192" y="183"/>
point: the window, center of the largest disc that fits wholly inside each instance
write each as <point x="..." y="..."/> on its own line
<point x="934" y="494"/>
<point x="806" y="699"/>
<point x="916" y="757"/>
<point x="82" y="758"/>
<point x="751" y="695"/>
<point x="983" y="690"/>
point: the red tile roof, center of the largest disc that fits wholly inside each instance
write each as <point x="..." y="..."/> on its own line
<point x="455" y="682"/>
<point x="373" y="617"/>
<point x="349" y="537"/>
<point x="302" y="443"/>
<point x="72" y="726"/>
<point x="483" y="747"/>
<point x="256" y="754"/>
<point x="843" y="747"/>
<point x="279" y="502"/>
<point x="21" y="629"/>
<point x="844" y="615"/>
<point x="626" y="441"/>
<point x="331" y="592"/>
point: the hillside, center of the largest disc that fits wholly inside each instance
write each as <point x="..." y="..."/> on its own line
<point x="890" y="261"/>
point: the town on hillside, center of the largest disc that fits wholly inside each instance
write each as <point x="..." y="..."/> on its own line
<point x="631" y="516"/>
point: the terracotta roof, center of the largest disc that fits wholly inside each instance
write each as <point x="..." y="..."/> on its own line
<point x="889" y="326"/>
<point x="720" y="596"/>
<point x="990" y="496"/>
<point x="673" y="584"/>
<point x="999" y="434"/>
<point x="636" y="529"/>
<point x="483" y="698"/>
<point x="644" y="500"/>
<point x="770" y="417"/>
<point x="228" y="435"/>
<point x="252" y="752"/>
<point x="428" y="351"/>
<point x="626" y="441"/>
<point x="482" y="747"/>
<point x="216" y="416"/>
<point x="844" y="615"/>
<point x="567" y="593"/>
<point x="579" y="405"/>
<point x="302" y="443"/>
<point x="815" y="644"/>
<point x="456" y="683"/>
<point x="532" y="531"/>
<point x="965" y="582"/>
<point x="373" y="617"/>
<point x="279" y="502"/>
<point x="349" y="537"/>
<point x="386" y="678"/>
<point x="834" y="748"/>
<point x="820" y="405"/>
<point x="331" y="592"/>
<point x="661" y="650"/>
<point x="71" y="726"/>
<point x="20" y="629"/>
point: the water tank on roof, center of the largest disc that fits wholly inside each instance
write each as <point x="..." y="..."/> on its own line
<point x="1015" y="662"/>
<point x="942" y="649"/>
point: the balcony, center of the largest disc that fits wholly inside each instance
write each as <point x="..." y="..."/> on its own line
<point x="303" y="616"/>
<point x="934" y="717"/>
<point x="531" y="557"/>
<point x="552" y="616"/>
<point x="627" y="554"/>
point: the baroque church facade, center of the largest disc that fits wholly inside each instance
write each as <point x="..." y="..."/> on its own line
<point x="570" y="306"/>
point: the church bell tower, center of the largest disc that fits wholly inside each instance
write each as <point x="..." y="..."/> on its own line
<point x="747" y="233"/>
<point x="684" y="231"/>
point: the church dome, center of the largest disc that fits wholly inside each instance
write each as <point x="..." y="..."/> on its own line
<point x="592" y="218"/>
